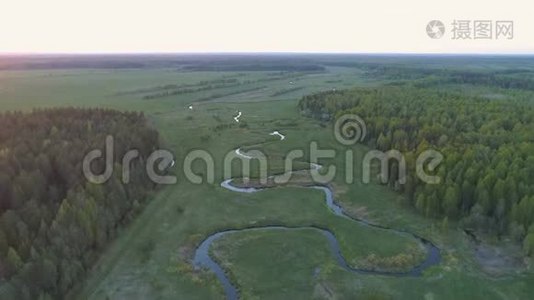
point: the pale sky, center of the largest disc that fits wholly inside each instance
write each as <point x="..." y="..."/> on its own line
<point x="399" y="26"/>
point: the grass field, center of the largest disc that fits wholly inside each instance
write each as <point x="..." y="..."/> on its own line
<point x="150" y="259"/>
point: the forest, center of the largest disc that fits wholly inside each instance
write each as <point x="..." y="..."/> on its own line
<point x="488" y="148"/>
<point x="185" y="62"/>
<point x="421" y="75"/>
<point x="53" y="223"/>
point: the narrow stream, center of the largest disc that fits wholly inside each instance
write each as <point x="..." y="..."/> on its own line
<point x="203" y="259"/>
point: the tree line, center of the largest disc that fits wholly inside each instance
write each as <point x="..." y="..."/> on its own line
<point x="53" y="223"/>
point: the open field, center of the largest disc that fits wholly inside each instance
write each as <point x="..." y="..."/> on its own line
<point x="151" y="257"/>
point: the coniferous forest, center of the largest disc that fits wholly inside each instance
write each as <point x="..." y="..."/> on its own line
<point x="488" y="168"/>
<point x="53" y="223"/>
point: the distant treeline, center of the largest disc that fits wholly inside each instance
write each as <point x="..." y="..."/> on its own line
<point x="230" y="67"/>
<point x="177" y="86"/>
<point x="428" y="77"/>
<point x="488" y="146"/>
<point x="53" y="223"/>
<point x="197" y="88"/>
<point x="486" y="79"/>
<point x="180" y="62"/>
<point x="286" y="91"/>
<point x="173" y="90"/>
<point x="230" y="93"/>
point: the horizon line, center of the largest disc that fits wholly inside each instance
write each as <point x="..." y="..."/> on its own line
<point x="112" y="53"/>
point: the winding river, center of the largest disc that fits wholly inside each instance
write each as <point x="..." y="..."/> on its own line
<point x="202" y="258"/>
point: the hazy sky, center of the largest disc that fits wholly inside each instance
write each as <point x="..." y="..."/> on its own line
<point x="255" y="25"/>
